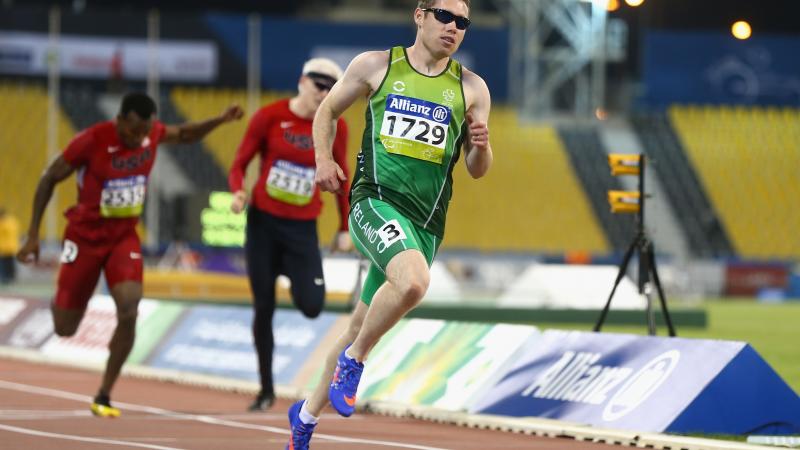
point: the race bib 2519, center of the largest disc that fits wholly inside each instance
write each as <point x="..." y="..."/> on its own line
<point x="291" y="183"/>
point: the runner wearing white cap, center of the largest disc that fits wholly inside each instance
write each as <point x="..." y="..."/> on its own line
<point x="284" y="205"/>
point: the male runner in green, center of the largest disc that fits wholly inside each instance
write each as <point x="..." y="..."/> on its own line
<point x="423" y="106"/>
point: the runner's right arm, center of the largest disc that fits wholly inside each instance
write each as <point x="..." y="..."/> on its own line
<point x="356" y="82"/>
<point x="252" y="142"/>
<point x="58" y="170"/>
<point x="76" y="155"/>
<point x="341" y="240"/>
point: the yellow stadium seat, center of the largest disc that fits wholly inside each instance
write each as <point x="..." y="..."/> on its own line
<point x="747" y="159"/>
<point x="23" y="113"/>
<point x="530" y="201"/>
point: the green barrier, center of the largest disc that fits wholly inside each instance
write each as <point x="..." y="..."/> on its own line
<point x="151" y="331"/>
<point x="692" y="318"/>
<point x="680" y="317"/>
<point x="439" y="363"/>
<point x="695" y="318"/>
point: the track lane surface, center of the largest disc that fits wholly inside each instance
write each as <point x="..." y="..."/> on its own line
<point x="45" y="407"/>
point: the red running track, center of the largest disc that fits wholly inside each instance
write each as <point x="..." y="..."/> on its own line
<point x="45" y="407"/>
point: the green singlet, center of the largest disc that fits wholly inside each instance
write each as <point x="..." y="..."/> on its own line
<point x="412" y="140"/>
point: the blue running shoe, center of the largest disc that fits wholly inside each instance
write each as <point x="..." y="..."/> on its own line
<point x="301" y="432"/>
<point x="344" y="384"/>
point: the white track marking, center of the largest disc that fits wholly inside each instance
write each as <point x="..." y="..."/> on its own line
<point x="270" y="416"/>
<point x="201" y="418"/>
<point x="71" y="437"/>
<point x="26" y="414"/>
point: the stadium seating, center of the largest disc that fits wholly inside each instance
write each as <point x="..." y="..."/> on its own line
<point x="688" y="199"/>
<point x="730" y="173"/>
<point x="80" y="103"/>
<point x="23" y="115"/>
<point x="590" y="162"/>
<point x="196" y="104"/>
<point x="200" y="166"/>
<point x="530" y="201"/>
<point x="748" y="160"/>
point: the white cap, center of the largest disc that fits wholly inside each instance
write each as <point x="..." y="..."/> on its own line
<point x="322" y="66"/>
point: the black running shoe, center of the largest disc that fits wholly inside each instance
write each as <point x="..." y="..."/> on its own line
<point x="262" y="402"/>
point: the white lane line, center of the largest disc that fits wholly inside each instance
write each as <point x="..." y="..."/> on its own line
<point x="23" y="414"/>
<point x="270" y="416"/>
<point x="28" y="414"/>
<point x="70" y="437"/>
<point x="52" y="412"/>
<point x="202" y="418"/>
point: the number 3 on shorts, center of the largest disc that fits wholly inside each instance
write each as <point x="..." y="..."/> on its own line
<point x="390" y="233"/>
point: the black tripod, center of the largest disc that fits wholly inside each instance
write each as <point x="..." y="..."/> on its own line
<point x="647" y="267"/>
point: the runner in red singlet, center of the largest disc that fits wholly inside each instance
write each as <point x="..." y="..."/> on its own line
<point x="113" y="160"/>
<point x="284" y="205"/>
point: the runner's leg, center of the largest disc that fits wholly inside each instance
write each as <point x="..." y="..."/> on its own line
<point x="319" y="397"/>
<point x="123" y="271"/>
<point x="302" y="263"/>
<point x="262" y="255"/>
<point x="126" y="296"/>
<point x="77" y="278"/>
<point x="407" y="279"/>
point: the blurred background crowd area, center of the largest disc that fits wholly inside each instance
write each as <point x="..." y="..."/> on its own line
<point x="709" y="91"/>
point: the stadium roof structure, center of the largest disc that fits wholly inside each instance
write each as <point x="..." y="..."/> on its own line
<point x="770" y="16"/>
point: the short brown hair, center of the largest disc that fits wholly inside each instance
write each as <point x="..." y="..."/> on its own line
<point x="422" y="4"/>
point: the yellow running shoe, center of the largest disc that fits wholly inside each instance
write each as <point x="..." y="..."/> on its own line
<point x="101" y="407"/>
<point x="104" y="410"/>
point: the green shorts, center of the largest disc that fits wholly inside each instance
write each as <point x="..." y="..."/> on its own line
<point x="380" y="232"/>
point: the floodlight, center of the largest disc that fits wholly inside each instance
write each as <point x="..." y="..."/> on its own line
<point x="741" y="30"/>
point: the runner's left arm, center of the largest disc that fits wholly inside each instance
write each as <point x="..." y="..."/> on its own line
<point x="190" y="132"/>
<point x="477" y="148"/>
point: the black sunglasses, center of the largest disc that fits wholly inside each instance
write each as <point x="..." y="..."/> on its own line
<point x="322" y="86"/>
<point x="445" y="16"/>
<point x="322" y="82"/>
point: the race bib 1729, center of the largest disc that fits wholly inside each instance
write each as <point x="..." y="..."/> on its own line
<point x="415" y="128"/>
<point x="291" y="183"/>
<point x="123" y="197"/>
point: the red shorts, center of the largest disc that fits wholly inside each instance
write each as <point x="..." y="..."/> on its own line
<point x="82" y="260"/>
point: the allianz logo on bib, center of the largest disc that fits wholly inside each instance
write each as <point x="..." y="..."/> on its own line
<point x="417" y="107"/>
<point x="134" y="180"/>
<point x="576" y="378"/>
